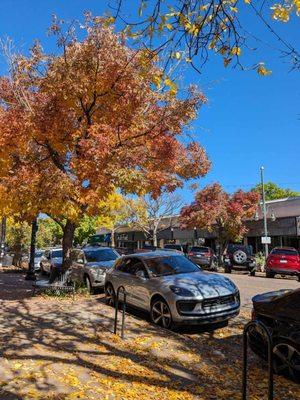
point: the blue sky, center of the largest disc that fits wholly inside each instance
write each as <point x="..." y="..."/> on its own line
<point x="249" y="120"/>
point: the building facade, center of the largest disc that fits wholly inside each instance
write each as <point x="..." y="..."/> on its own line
<point x="284" y="230"/>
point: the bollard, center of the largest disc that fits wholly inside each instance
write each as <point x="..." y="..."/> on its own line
<point x="121" y="288"/>
<point x="266" y="330"/>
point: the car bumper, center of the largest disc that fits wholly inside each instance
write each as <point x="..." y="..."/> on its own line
<point x="98" y="281"/>
<point x="207" y="311"/>
<point x="201" y="261"/>
<point x="207" y="319"/>
<point x="286" y="271"/>
<point x="246" y="265"/>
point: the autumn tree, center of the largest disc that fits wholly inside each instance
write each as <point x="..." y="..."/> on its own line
<point x="273" y="191"/>
<point x="223" y="213"/>
<point x="154" y="214"/>
<point x="96" y="117"/>
<point x="18" y="238"/>
<point x="114" y="212"/>
<point x="192" y="30"/>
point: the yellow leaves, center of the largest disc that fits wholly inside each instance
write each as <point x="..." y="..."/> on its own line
<point x="262" y="70"/>
<point x="172" y="86"/>
<point x="234" y="9"/>
<point x="247" y="1"/>
<point x="157" y="80"/>
<point x="297" y="6"/>
<point x="236" y="51"/>
<point x="281" y="12"/>
<point x="177" y="55"/>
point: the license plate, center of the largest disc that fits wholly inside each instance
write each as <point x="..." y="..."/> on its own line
<point x="200" y="255"/>
<point x="283" y="261"/>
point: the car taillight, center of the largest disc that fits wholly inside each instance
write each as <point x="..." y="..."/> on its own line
<point x="206" y="254"/>
<point x="253" y="315"/>
<point x="190" y="253"/>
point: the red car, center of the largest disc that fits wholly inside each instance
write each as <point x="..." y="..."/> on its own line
<point x="283" y="261"/>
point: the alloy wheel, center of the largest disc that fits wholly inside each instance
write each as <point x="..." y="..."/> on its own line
<point x="287" y="361"/>
<point x="161" y="314"/>
<point x="110" y="295"/>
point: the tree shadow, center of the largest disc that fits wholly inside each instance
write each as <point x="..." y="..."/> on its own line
<point x="43" y="341"/>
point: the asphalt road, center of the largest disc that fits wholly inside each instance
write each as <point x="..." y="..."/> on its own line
<point x="249" y="286"/>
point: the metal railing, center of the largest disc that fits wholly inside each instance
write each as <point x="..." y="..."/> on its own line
<point x="267" y="333"/>
<point x="122" y="290"/>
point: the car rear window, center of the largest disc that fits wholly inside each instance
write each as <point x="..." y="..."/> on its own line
<point x="173" y="246"/>
<point x="284" y="252"/>
<point x="171" y="265"/>
<point x="202" y="249"/>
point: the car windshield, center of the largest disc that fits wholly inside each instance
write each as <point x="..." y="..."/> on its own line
<point x="57" y="254"/>
<point x="100" y="255"/>
<point x="171" y="265"/>
<point x="285" y="252"/>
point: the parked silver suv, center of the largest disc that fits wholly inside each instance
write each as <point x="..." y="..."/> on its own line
<point x="90" y="264"/>
<point x="173" y="289"/>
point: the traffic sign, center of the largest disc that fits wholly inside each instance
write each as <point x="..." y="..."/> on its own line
<point x="266" y="240"/>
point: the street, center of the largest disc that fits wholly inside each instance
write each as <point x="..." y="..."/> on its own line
<point x="250" y="286"/>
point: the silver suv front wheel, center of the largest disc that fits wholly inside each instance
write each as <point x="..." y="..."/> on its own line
<point x="161" y="314"/>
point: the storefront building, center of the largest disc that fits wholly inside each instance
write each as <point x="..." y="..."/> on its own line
<point x="283" y="228"/>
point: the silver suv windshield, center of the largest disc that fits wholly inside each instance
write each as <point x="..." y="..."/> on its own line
<point x="171" y="265"/>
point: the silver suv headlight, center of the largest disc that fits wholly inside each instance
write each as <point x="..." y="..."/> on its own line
<point x="180" y="291"/>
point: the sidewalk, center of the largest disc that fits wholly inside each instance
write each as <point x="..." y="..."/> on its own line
<point x="59" y="349"/>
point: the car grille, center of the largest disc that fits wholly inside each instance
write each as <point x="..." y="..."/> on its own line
<point x="218" y="301"/>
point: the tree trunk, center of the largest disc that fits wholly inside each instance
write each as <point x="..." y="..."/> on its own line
<point x="112" y="237"/>
<point x="17" y="257"/>
<point x="31" y="272"/>
<point x="155" y="238"/>
<point x="67" y="243"/>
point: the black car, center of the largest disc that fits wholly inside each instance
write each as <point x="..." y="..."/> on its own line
<point x="239" y="256"/>
<point x="280" y="312"/>
<point x="203" y="256"/>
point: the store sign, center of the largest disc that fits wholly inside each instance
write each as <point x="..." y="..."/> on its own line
<point x="266" y="240"/>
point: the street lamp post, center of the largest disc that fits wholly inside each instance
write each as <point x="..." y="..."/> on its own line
<point x="195" y="235"/>
<point x="264" y="211"/>
<point x="172" y="233"/>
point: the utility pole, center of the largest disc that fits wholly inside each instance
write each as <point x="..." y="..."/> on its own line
<point x="264" y="210"/>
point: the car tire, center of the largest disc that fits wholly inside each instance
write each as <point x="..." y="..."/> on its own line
<point x="239" y="257"/>
<point x="110" y="295"/>
<point x="227" y="269"/>
<point x="213" y="267"/>
<point x="252" y="273"/>
<point x="89" y="285"/>
<point x="286" y="360"/>
<point x="43" y="272"/>
<point x="160" y="313"/>
<point x="270" y="274"/>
